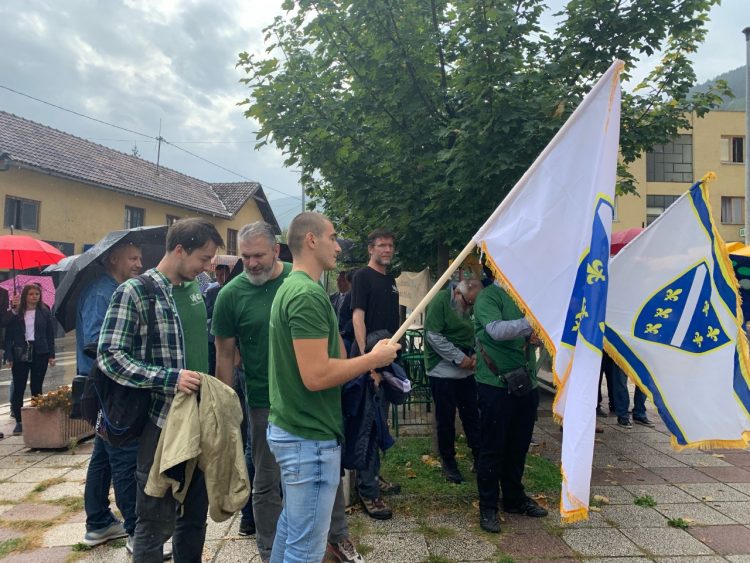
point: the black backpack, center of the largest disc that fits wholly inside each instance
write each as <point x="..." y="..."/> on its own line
<point x="119" y="412"/>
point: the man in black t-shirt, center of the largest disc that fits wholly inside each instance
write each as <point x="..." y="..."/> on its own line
<point x="375" y="307"/>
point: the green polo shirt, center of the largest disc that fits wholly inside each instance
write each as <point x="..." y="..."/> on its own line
<point x="242" y="311"/>
<point x="301" y="310"/>
<point x="494" y="304"/>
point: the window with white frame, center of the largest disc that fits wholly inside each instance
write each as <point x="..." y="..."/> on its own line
<point x="733" y="210"/>
<point x="733" y="149"/>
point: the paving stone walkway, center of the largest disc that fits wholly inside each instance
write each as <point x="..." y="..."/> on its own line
<point x="41" y="510"/>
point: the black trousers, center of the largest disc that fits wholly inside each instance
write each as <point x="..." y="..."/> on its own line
<point x="449" y="395"/>
<point x="507" y="423"/>
<point x="38" y="369"/>
<point x="158" y="518"/>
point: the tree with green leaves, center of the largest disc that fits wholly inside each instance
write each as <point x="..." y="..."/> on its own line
<point x="421" y="115"/>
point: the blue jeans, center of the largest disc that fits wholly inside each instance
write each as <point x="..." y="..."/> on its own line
<point x="109" y="464"/>
<point x="622" y="397"/>
<point x="310" y="476"/>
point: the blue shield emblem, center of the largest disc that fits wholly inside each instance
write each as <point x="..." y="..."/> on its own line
<point x="681" y="314"/>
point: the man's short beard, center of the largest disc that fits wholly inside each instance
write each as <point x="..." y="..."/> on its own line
<point x="263" y="277"/>
<point x="383" y="261"/>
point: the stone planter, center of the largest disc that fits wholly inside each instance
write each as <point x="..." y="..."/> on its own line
<point x="52" y="429"/>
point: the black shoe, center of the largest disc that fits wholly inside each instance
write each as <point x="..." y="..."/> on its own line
<point x="247" y="527"/>
<point x="624" y="421"/>
<point x="18" y="430"/>
<point x="488" y="520"/>
<point x="643" y="420"/>
<point x="601" y="412"/>
<point x="452" y="473"/>
<point x="528" y="507"/>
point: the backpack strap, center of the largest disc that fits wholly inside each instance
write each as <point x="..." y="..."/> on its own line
<point x="148" y="284"/>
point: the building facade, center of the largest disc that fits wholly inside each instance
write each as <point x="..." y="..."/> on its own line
<point x="715" y="144"/>
<point x="71" y="192"/>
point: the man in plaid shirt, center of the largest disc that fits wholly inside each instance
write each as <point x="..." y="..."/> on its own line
<point x="191" y="243"/>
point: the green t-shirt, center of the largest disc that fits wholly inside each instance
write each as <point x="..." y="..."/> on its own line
<point x="242" y="311"/>
<point x="494" y="304"/>
<point x="443" y="319"/>
<point x="192" y="312"/>
<point x="301" y="310"/>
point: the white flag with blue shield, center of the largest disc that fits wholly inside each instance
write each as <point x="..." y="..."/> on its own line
<point x="674" y="324"/>
<point x="548" y="243"/>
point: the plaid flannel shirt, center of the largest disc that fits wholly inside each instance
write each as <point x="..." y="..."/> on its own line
<point x="122" y="342"/>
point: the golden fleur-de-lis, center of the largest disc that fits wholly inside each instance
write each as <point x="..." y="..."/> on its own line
<point x="652" y="328"/>
<point x="713" y="333"/>
<point x="698" y="339"/>
<point x="705" y="308"/>
<point x="673" y="294"/>
<point x="581" y="315"/>
<point x="663" y="313"/>
<point x="595" y="271"/>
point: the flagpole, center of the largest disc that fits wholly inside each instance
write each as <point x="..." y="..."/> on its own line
<point x="615" y="69"/>
<point x="433" y="291"/>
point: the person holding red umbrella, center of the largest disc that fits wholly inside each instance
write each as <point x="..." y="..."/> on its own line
<point x="30" y="347"/>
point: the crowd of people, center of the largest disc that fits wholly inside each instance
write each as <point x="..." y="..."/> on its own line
<point x="297" y="359"/>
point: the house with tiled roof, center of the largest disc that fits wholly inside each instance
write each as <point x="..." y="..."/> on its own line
<point x="71" y="192"/>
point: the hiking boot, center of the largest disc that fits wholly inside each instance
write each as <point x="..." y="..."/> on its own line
<point x="452" y="473"/>
<point x="247" y="527"/>
<point x="345" y="552"/>
<point x="488" y="520"/>
<point x="388" y="488"/>
<point x="624" y="421"/>
<point x="643" y="420"/>
<point x="111" y="532"/>
<point x="528" y="507"/>
<point x="166" y="554"/>
<point x="377" y="509"/>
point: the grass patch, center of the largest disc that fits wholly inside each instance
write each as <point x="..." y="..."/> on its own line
<point x="10" y="546"/>
<point x="678" y="523"/>
<point x="364" y="549"/>
<point x="120" y="542"/>
<point x="506" y="559"/>
<point x="542" y="476"/>
<point x="72" y="504"/>
<point x="436" y="532"/>
<point x="425" y="491"/>
<point x="47" y="483"/>
<point x="646" y="501"/>
<point x="80" y="546"/>
<point x="438" y="559"/>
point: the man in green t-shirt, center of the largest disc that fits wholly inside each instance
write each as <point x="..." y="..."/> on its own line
<point x="503" y="338"/>
<point x="305" y="372"/>
<point x="240" y="317"/>
<point x="450" y="361"/>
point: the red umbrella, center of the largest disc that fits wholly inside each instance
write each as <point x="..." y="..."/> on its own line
<point x="20" y="252"/>
<point x="620" y="239"/>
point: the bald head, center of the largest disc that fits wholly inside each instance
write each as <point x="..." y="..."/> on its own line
<point x="301" y="225"/>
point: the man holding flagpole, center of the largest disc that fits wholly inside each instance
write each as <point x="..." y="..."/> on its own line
<point x="504" y="338"/>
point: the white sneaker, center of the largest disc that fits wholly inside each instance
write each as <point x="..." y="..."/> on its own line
<point x="345" y="552"/>
<point x="167" y="548"/>
<point x="111" y="532"/>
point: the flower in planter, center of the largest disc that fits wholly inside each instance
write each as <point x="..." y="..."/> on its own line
<point x="60" y="398"/>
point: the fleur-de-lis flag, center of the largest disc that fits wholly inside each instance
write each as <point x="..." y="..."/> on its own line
<point x="674" y="324"/>
<point x="548" y="243"/>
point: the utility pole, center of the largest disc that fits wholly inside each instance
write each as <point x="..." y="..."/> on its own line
<point x="746" y="141"/>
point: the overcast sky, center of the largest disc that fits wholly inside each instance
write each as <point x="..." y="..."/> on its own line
<point x="136" y="62"/>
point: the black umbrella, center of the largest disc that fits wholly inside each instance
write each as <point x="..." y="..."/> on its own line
<point x="90" y="264"/>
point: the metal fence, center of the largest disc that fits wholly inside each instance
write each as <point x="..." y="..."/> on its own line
<point x="417" y="409"/>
